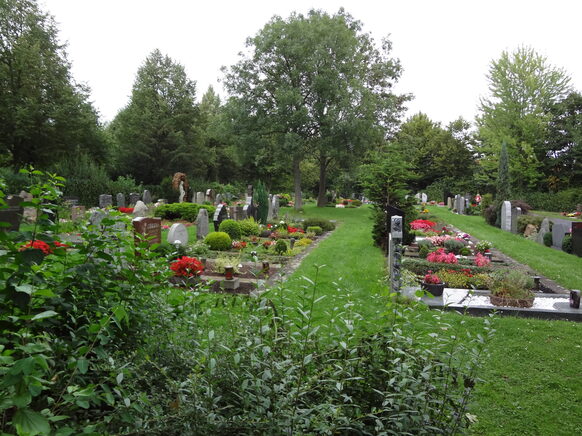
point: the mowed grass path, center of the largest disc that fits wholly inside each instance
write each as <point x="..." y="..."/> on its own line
<point x="564" y="268"/>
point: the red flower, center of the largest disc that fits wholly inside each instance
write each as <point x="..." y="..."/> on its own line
<point x="441" y="257"/>
<point x="38" y="245"/>
<point x="295" y="230"/>
<point x="431" y="278"/>
<point x="239" y="245"/>
<point x="187" y="267"/>
<point x="126" y="209"/>
<point x="58" y="244"/>
<point x="422" y="225"/>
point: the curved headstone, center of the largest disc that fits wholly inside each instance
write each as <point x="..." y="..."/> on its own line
<point x="178" y="234"/>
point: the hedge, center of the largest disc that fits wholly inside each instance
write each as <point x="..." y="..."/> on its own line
<point x="563" y="201"/>
<point x="183" y="211"/>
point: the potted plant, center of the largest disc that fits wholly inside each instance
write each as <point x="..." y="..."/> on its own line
<point x="433" y="284"/>
<point x="511" y="288"/>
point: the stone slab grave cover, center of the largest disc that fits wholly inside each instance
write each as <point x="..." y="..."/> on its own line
<point x="105" y="200"/>
<point x="202" y="224"/>
<point x="559" y="230"/>
<point x="120" y="198"/>
<point x="544" y="228"/>
<point x="147" y="197"/>
<point x="577" y="239"/>
<point x="77" y="212"/>
<point x="148" y="228"/>
<point x="133" y="198"/>
<point x="178" y="234"/>
<point x="220" y="214"/>
<point x="506" y="216"/>
<point x="12" y="215"/>
<point x="140" y="209"/>
<point x="515" y="214"/>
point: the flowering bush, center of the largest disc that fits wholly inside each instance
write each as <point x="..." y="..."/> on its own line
<point x="38" y="245"/>
<point x="432" y="279"/>
<point x="422" y="225"/>
<point x="483" y="246"/>
<point x="439" y="241"/>
<point x="441" y="257"/>
<point x="481" y="260"/>
<point x="295" y="229"/>
<point x="187" y="267"/>
<point x="239" y="245"/>
<point x="126" y="209"/>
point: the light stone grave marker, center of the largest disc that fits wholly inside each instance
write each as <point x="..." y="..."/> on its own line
<point x="105" y="200"/>
<point x="201" y="224"/>
<point x="506" y="216"/>
<point x="178" y="234"/>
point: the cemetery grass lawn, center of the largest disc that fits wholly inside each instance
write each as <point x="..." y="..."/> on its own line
<point x="554" y="215"/>
<point x="562" y="267"/>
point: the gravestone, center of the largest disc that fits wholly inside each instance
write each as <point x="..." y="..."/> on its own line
<point x="249" y="194"/>
<point x="449" y="202"/>
<point x="148" y="228"/>
<point x="506" y="216"/>
<point x="559" y="230"/>
<point x="140" y="209"/>
<point x="147" y="197"/>
<point x="515" y="214"/>
<point x="77" y="212"/>
<point x="105" y="200"/>
<point x="218" y="199"/>
<point x="423" y="197"/>
<point x="270" y="209"/>
<point x="275" y="206"/>
<point x="199" y="198"/>
<point x="120" y="198"/>
<point x="71" y="201"/>
<point x="178" y="234"/>
<point x="96" y="217"/>
<point x="577" y="239"/>
<point x="248" y="211"/>
<point x="460" y="204"/>
<point x="395" y="250"/>
<point x="236" y="213"/>
<point x="12" y="214"/>
<point x="202" y="224"/>
<point x="544" y="228"/>
<point x="133" y="198"/>
<point x="210" y="195"/>
<point x="220" y="214"/>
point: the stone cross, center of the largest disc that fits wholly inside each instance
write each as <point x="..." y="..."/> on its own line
<point x="202" y="223"/>
<point x="105" y="200"/>
<point x="396" y="234"/>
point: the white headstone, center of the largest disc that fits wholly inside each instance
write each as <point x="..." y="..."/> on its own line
<point x="270" y="210"/>
<point x="506" y="216"/>
<point x="178" y="234"/>
<point x="140" y="209"/>
<point x="147" y="197"/>
<point x="275" y="204"/>
<point x="544" y="228"/>
<point x="199" y="198"/>
<point x="201" y="224"/>
<point x="423" y="197"/>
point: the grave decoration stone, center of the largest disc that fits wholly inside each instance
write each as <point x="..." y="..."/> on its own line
<point x="577" y="239"/>
<point x="133" y="198"/>
<point x="275" y="206"/>
<point x="210" y="195"/>
<point x="140" y="209"/>
<point x="218" y="199"/>
<point x="77" y="212"/>
<point x="147" y="197"/>
<point x="220" y="214"/>
<point x="544" y="228"/>
<point x="178" y="234"/>
<point x="12" y="214"/>
<point x="515" y="214"/>
<point x="199" y="198"/>
<point x="559" y="230"/>
<point x="120" y="198"/>
<point x="96" y="217"/>
<point x="396" y="235"/>
<point x="105" y="200"/>
<point x="423" y="197"/>
<point x="148" y="228"/>
<point x="506" y="216"/>
<point x="270" y="209"/>
<point x="202" y="223"/>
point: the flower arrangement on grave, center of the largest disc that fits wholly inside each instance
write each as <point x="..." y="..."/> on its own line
<point x="481" y="260"/>
<point x="421" y="224"/>
<point x="571" y="214"/>
<point x="439" y="240"/>
<point x="433" y="284"/>
<point x="295" y="230"/>
<point x="187" y="267"/>
<point x="239" y="245"/>
<point x="125" y="209"/>
<point x="439" y="256"/>
<point x="432" y="278"/>
<point x="511" y="288"/>
<point x="483" y="246"/>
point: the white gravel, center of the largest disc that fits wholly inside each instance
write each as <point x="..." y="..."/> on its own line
<point x="454" y="297"/>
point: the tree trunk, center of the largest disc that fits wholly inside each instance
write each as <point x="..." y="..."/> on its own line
<point x="297" y="182"/>
<point x="321" y="194"/>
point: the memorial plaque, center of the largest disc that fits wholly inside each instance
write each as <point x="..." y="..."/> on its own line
<point x="148" y="228"/>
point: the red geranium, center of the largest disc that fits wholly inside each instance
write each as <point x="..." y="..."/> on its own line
<point x="441" y="257"/>
<point x="126" y="209"/>
<point x="38" y="245"/>
<point x="187" y="267"/>
<point x="422" y="225"/>
<point x="432" y="279"/>
<point x="295" y="229"/>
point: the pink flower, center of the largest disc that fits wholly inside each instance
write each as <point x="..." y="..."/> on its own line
<point x="440" y="256"/>
<point x="481" y="260"/>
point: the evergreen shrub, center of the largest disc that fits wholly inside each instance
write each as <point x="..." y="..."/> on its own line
<point x="182" y="211"/>
<point x="249" y="227"/>
<point x="567" y="244"/>
<point x="548" y="239"/>
<point x="326" y="225"/>
<point x="219" y="241"/>
<point x="231" y="227"/>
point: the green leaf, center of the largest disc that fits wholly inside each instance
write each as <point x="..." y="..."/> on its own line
<point x="26" y="288"/>
<point x="64" y="431"/>
<point x="29" y="422"/>
<point x="45" y="314"/>
<point x="119" y="378"/>
<point x="83" y="365"/>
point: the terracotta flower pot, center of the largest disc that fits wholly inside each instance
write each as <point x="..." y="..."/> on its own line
<point x="435" y="289"/>
<point x="498" y="300"/>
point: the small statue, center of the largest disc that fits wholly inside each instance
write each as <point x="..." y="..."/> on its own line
<point x="180" y="183"/>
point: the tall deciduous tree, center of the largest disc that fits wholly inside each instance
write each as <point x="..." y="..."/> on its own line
<point x="155" y="132"/>
<point x="317" y="85"/>
<point x="523" y="86"/>
<point x="44" y="114"/>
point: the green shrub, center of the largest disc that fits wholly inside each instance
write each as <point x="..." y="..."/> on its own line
<point x="326" y="225"/>
<point x="462" y="279"/>
<point x="249" y="227"/>
<point x="486" y="201"/>
<point x="356" y="203"/>
<point x="182" y="211"/>
<point x="465" y="251"/>
<point x="423" y="251"/>
<point x="281" y="247"/>
<point x="231" y="227"/>
<point x="219" y="241"/>
<point x="561" y="201"/>
<point x="315" y="229"/>
<point x="524" y="220"/>
<point x="222" y="261"/>
<point x="285" y="199"/>
<point x="297" y="235"/>
<point x="262" y="199"/>
<point x="303" y="242"/>
<point x="548" y="239"/>
<point x="199" y="248"/>
<point x="567" y="244"/>
<point x="453" y="246"/>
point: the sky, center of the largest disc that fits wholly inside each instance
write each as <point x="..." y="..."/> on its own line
<point x="445" y="46"/>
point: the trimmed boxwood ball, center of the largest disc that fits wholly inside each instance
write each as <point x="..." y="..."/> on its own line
<point x="249" y="227"/>
<point x="219" y="241"/>
<point x="315" y="229"/>
<point x="232" y="228"/>
<point x="548" y="239"/>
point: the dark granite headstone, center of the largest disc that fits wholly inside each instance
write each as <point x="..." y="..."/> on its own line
<point x="559" y="230"/>
<point x="105" y="200"/>
<point x="134" y="197"/>
<point x="147" y="197"/>
<point x="12" y="214"/>
<point x="149" y="228"/>
<point x="577" y="239"/>
<point x="220" y="214"/>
